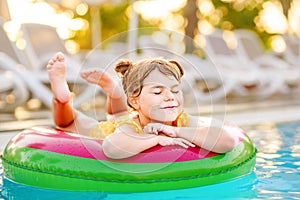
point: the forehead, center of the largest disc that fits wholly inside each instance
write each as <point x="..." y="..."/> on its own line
<point x="157" y="78"/>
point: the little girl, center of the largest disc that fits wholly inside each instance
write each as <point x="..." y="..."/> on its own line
<point x="155" y="115"/>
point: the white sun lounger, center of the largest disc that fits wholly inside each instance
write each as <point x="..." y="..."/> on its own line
<point x="205" y="83"/>
<point x="250" y="48"/>
<point x="35" y="78"/>
<point x="10" y="84"/>
<point x="245" y="72"/>
<point x="292" y="52"/>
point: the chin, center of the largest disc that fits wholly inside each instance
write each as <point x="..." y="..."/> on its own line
<point x="167" y="117"/>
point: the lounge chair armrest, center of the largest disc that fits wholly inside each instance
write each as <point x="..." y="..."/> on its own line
<point x="235" y="63"/>
<point x="271" y="61"/>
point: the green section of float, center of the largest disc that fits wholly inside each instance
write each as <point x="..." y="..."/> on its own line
<point x="58" y="171"/>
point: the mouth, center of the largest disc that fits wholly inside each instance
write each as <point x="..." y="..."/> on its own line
<point x="169" y="107"/>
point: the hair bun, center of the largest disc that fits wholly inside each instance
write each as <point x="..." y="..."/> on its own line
<point x="122" y="66"/>
<point x="180" y="69"/>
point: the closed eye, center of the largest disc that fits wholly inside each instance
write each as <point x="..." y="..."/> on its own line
<point x="157" y="91"/>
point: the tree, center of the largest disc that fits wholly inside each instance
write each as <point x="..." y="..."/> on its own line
<point x="190" y="13"/>
<point x="286" y="5"/>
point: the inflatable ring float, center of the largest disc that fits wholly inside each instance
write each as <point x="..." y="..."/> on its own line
<point x="50" y="158"/>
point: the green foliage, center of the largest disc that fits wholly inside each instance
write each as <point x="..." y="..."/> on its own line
<point x="114" y="19"/>
<point x="242" y="18"/>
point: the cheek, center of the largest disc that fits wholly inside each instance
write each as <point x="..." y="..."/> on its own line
<point x="179" y="97"/>
<point x="149" y="102"/>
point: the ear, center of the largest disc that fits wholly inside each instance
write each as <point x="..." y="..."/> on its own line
<point x="134" y="103"/>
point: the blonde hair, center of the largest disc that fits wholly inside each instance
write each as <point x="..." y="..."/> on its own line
<point x="134" y="74"/>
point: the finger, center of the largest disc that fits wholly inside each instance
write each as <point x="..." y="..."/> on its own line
<point x="146" y="129"/>
<point x="186" y="142"/>
<point x="180" y="143"/>
<point x="189" y="143"/>
<point x="154" y="130"/>
<point x="183" y="145"/>
<point x="161" y="128"/>
<point x="172" y="134"/>
<point x="149" y="129"/>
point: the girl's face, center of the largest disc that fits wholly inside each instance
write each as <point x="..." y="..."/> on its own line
<point x="161" y="99"/>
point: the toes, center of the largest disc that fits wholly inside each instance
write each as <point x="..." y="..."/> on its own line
<point x="52" y="60"/>
<point x="86" y="73"/>
<point x="83" y="74"/>
<point x="50" y="63"/>
<point x="60" y="57"/>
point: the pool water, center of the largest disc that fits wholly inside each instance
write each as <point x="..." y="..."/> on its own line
<point x="276" y="176"/>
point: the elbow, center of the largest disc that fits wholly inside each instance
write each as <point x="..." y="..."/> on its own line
<point x="111" y="150"/>
<point x="229" y="142"/>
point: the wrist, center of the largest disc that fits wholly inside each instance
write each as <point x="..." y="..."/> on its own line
<point x="176" y="131"/>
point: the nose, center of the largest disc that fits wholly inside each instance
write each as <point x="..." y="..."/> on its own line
<point x="169" y="96"/>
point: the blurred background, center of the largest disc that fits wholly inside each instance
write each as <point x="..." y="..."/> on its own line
<point x="85" y="23"/>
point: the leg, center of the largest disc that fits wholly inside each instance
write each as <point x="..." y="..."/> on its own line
<point x="62" y="110"/>
<point x="115" y="96"/>
<point x="82" y="124"/>
<point x="64" y="115"/>
<point x="57" y="72"/>
<point x="68" y="119"/>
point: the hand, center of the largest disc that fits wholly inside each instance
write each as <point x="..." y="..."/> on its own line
<point x="167" y="141"/>
<point x="156" y="128"/>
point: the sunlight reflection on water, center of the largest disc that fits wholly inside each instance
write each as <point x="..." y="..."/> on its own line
<point x="277" y="165"/>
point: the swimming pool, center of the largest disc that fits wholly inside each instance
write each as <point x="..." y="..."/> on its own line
<point x="277" y="174"/>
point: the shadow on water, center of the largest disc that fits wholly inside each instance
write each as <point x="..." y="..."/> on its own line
<point x="241" y="188"/>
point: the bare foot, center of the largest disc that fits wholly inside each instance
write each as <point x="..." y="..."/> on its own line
<point x="103" y="80"/>
<point x="57" y="75"/>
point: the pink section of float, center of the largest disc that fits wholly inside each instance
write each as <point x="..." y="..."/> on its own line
<point x="54" y="140"/>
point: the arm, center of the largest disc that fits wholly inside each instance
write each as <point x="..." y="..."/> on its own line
<point x="116" y="99"/>
<point x="215" y="139"/>
<point x="116" y="102"/>
<point x="211" y="135"/>
<point x="126" y="142"/>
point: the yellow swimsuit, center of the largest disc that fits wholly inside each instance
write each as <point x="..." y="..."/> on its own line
<point x="104" y="128"/>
